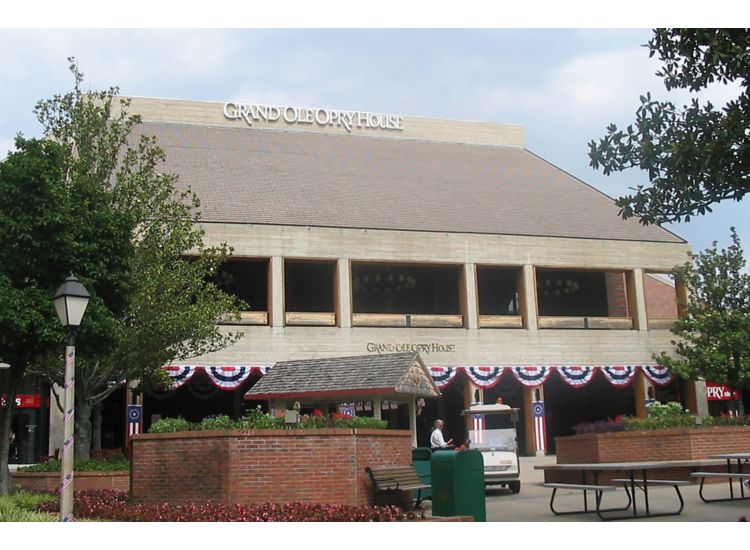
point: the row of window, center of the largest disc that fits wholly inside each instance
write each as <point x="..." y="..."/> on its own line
<point x="410" y="294"/>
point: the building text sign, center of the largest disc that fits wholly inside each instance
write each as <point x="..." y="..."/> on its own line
<point x="302" y="116"/>
<point x="427" y="348"/>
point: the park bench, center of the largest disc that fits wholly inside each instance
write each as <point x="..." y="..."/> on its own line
<point x="598" y="490"/>
<point x="390" y="483"/>
<point x="725" y="475"/>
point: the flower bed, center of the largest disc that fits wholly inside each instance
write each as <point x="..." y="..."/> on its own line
<point x="114" y="506"/>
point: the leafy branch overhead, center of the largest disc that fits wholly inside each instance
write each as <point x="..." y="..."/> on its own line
<point x="695" y="155"/>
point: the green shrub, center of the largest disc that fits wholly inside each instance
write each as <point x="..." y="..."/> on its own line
<point x="94" y="465"/>
<point x="222" y="422"/>
<point x="256" y="419"/>
<point x="21" y="506"/>
<point x="167" y="425"/>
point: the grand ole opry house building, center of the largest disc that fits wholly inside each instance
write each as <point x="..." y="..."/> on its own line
<point x="359" y="233"/>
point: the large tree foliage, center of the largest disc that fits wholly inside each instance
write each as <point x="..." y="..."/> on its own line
<point x="695" y="155"/>
<point x="133" y="241"/>
<point x="714" y="329"/>
<point x="35" y="250"/>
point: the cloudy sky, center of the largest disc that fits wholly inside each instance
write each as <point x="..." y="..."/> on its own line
<point x="563" y="85"/>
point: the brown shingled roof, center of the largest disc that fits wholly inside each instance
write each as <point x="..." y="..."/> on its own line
<point x="305" y="179"/>
<point x="391" y="374"/>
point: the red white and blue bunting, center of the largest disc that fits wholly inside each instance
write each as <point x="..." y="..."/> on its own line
<point x="658" y="374"/>
<point x="576" y="375"/>
<point x="225" y="377"/>
<point x="619" y="375"/>
<point x="485" y="377"/>
<point x="443" y="375"/>
<point x="532" y="377"/>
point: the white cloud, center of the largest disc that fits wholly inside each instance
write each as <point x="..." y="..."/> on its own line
<point x="6" y="145"/>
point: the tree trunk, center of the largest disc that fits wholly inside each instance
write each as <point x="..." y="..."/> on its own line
<point x="8" y="384"/>
<point x="83" y="430"/>
<point x="96" y="428"/>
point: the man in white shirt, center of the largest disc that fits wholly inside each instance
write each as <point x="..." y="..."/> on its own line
<point x="436" y="439"/>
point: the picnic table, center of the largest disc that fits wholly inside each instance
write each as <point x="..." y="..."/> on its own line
<point x="741" y="458"/>
<point x="636" y="477"/>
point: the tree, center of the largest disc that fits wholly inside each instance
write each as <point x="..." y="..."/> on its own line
<point x="697" y="155"/>
<point x="133" y="241"/>
<point x="34" y="253"/>
<point x="714" y="330"/>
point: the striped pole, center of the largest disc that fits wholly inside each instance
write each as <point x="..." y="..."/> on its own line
<point x="67" y="450"/>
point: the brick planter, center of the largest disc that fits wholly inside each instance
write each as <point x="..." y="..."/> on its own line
<point x="255" y="466"/>
<point x="83" y="481"/>
<point x="666" y="444"/>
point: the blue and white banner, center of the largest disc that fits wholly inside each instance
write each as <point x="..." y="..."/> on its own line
<point x="532" y="376"/>
<point x="658" y="374"/>
<point x="443" y="375"/>
<point x="228" y="378"/>
<point x="485" y="377"/>
<point x="619" y="375"/>
<point x="576" y="375"/>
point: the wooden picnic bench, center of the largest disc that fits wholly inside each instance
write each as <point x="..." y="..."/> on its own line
<point x="389" y="482"/>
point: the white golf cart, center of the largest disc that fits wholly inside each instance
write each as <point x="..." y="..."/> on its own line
<point x="493" y="432"/>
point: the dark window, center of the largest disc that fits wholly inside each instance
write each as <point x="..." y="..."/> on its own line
<point x="246" y="279"/>
<point x="421" y="290"/>
<point x="572" y="293"/>
<point x="498" y="290"/>
<point x="309" y="286"/>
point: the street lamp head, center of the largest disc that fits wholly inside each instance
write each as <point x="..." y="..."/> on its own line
<point x="70" y="302"/>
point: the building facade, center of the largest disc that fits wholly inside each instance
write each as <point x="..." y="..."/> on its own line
<point x="359" y="233"/>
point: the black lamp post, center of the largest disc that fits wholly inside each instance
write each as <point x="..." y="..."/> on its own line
<point x="70" y="302"/>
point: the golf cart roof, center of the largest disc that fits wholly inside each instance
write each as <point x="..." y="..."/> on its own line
<point x="478" y="408"/>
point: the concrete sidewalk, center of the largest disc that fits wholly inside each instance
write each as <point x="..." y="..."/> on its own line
<point x="532" y="503"/>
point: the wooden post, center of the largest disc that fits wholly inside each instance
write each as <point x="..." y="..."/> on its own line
<point x="637" y="299"/>
<point x="469" y="303"/>
<point x="413" y="421"/>
<point x="277" y="291"/>
<point x="376" y="410"/>
<point x="527" y="295"/>
<point x="528" y="420"/>
<point x="640" y="390"/>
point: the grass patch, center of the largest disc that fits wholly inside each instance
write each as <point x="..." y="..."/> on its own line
<point x="22" y="506"/>
<point x="93" y="465"/>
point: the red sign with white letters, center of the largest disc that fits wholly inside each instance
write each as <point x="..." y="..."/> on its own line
<point x="24" y="401"/>
<point x="717" y="392"/>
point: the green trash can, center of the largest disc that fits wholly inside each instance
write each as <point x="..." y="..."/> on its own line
<point x="458" y="484"/>
<point x="420" y="457"/>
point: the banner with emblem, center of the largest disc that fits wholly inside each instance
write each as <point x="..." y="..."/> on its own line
<point x="576" y="375"/>
<point x="135" y="420"/>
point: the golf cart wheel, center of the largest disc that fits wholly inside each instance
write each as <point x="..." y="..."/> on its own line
<point x="515" y="487"/>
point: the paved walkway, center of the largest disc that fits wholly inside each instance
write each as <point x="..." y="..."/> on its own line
<point x="532" y="503"/>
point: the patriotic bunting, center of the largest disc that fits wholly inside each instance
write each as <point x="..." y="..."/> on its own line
<point x="228" y="378"/>
<point x="575" y="375"/>
<point x="620" y="375"/>
<point x="179" y="374"/>
<point x="443" y="375"/>
<point x="485" y="377"/>
<point x="532" y="376"/>
<point x="658" y="374"/>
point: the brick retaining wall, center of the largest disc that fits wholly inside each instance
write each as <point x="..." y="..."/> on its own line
<point x="83" y="481"/>
<point x="255" y="466"/>
<point x="665" y="444"/>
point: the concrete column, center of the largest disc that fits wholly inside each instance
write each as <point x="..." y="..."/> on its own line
<point x="682" y="296"/>
<point x="696" y="400"/>
<point x="637" y="299"/>
<point x="277" y="291"/>
<point x="344" y="293"/>
<point x="470" y="303"/>
<point x="413" y="421"/>
<point x="528" y="299"/>
<point x="376" y="407"/>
